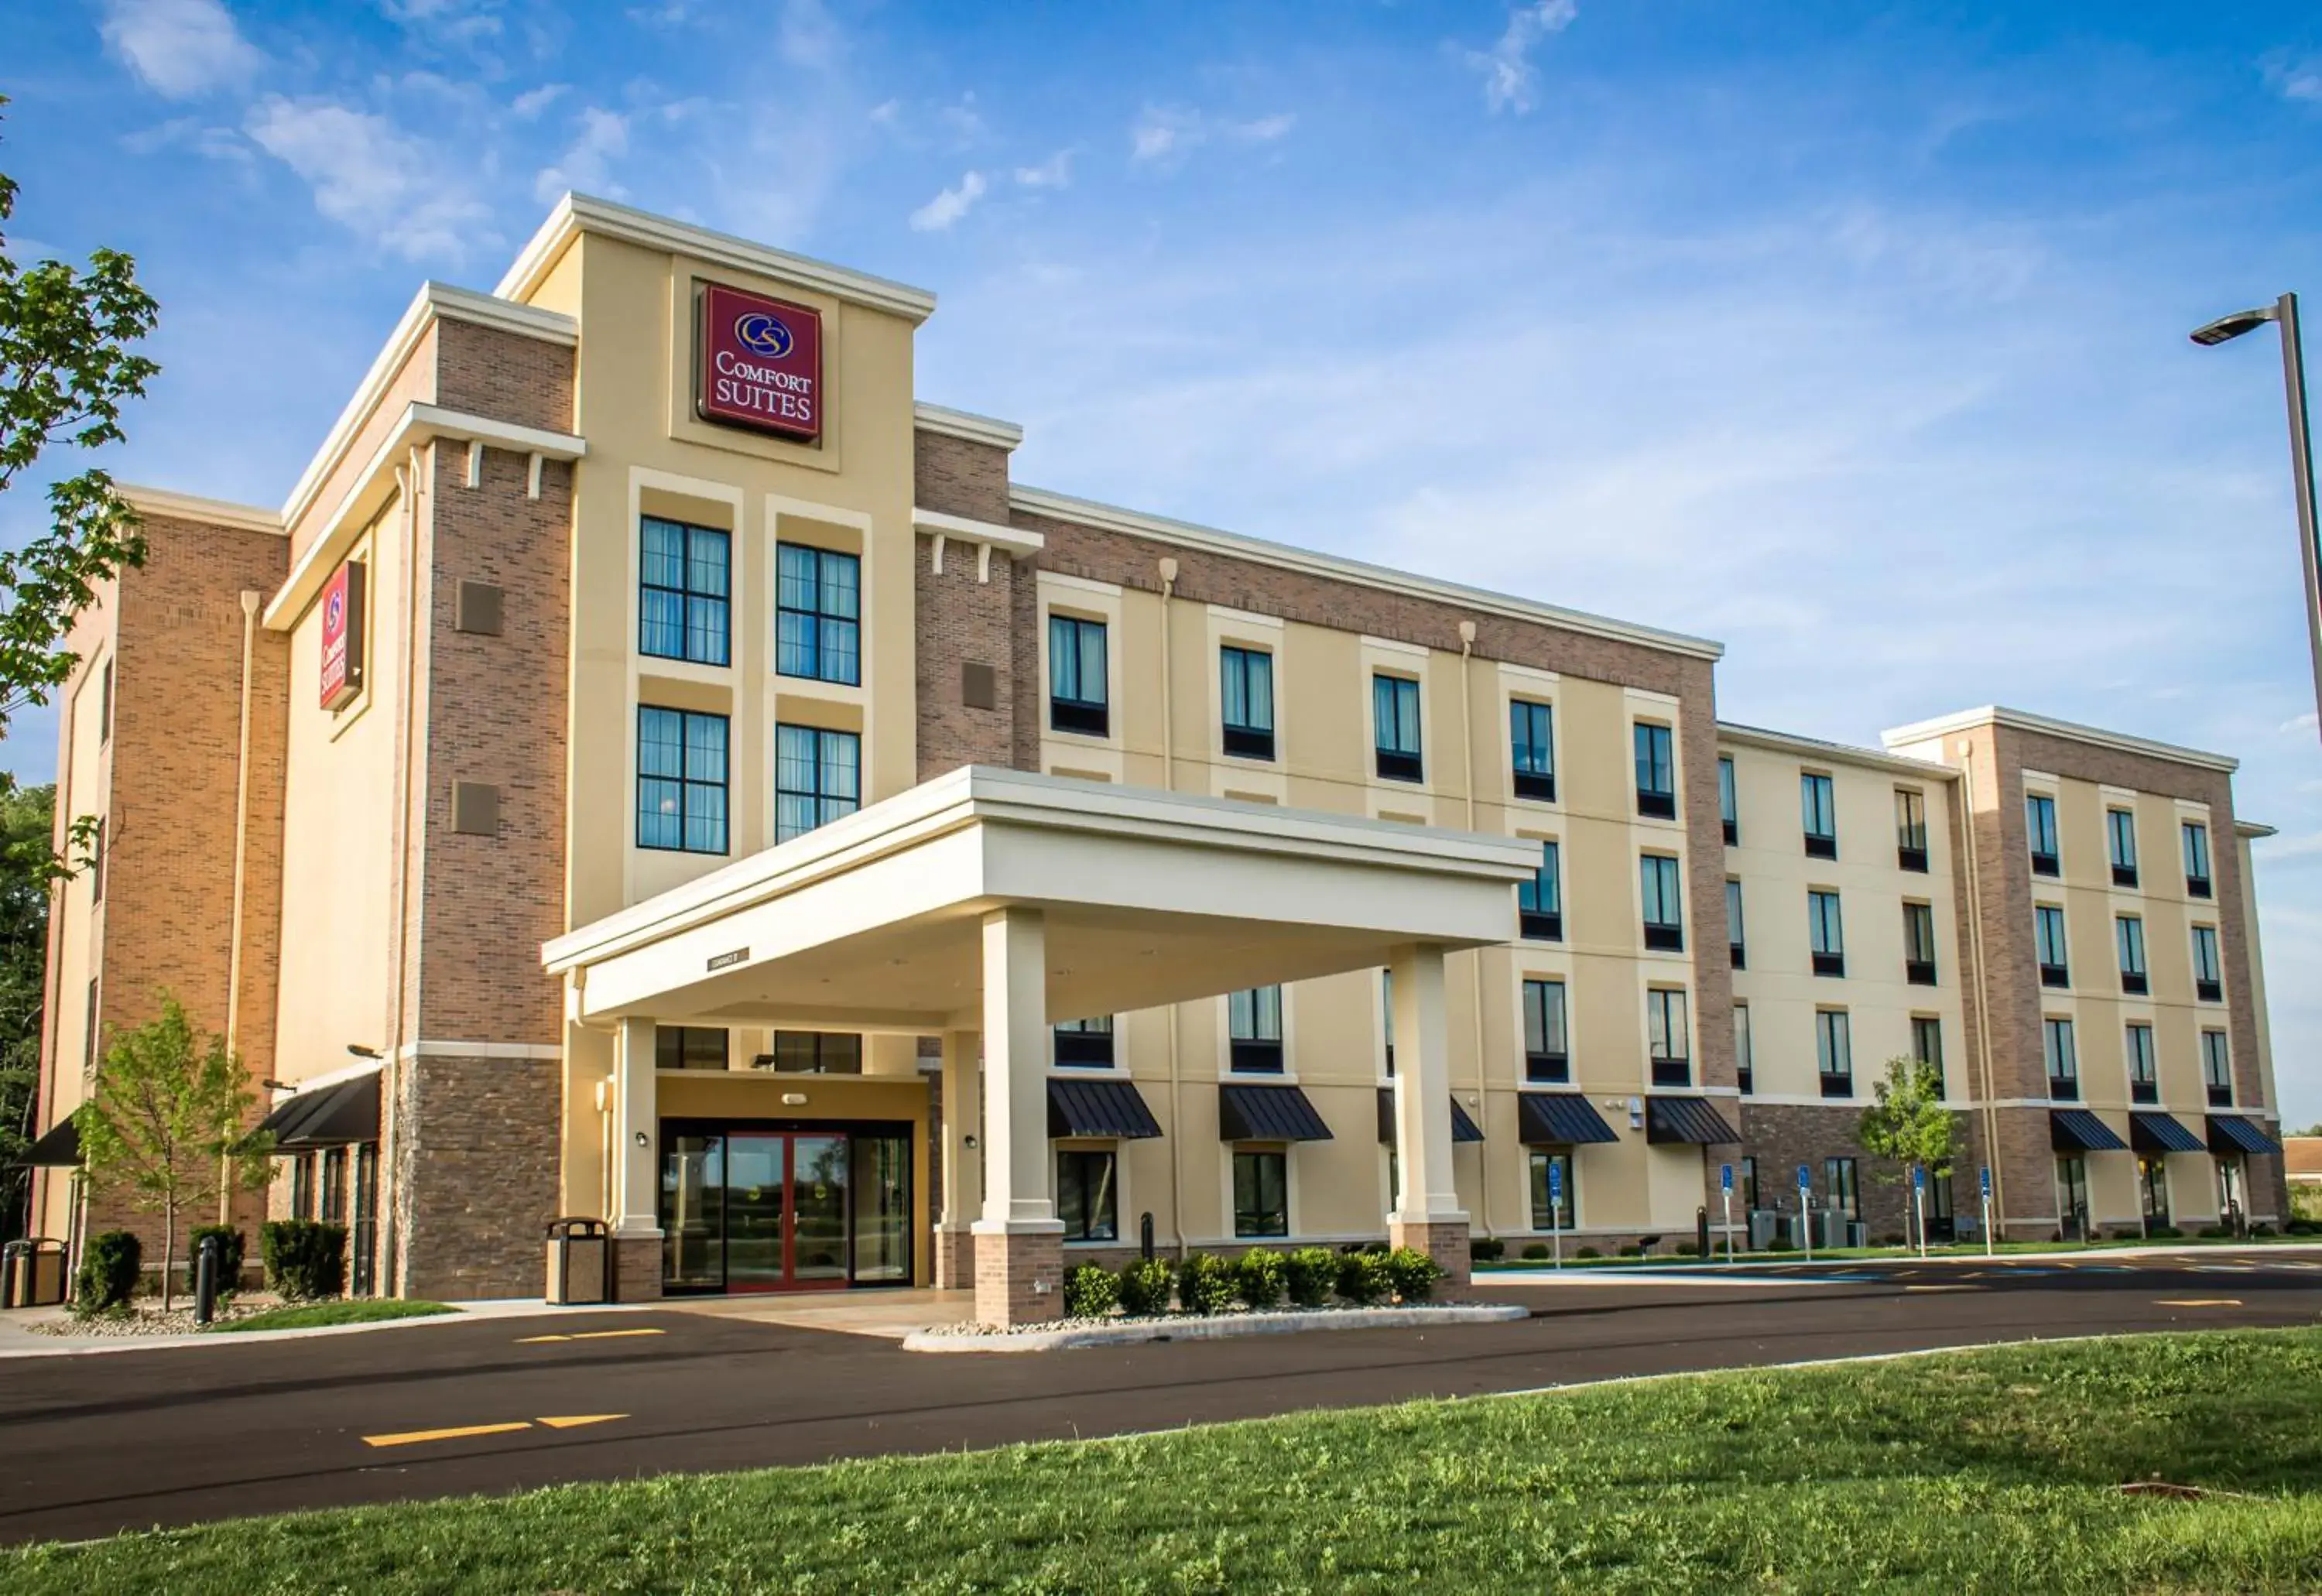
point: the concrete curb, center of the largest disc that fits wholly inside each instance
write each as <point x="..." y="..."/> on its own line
<point x="1792" y="1267"/>
<point x="18" y="1342"/>
<point x="1220" y="1328"/>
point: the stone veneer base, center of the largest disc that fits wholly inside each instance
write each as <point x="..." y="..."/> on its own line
<point x="1446" y="1244"/>
<point x="1218" y="1328"/>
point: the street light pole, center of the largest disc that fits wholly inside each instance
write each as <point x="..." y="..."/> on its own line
<point x="2283" y="312"/>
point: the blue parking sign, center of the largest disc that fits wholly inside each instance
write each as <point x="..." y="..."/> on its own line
<point x="1556" y="1184"/>
<point x="1919" y="1177"/>
<point x="1726" y="1177"/>
<point x="1986" y="1181"/>
<point x="1805" y="1179"/>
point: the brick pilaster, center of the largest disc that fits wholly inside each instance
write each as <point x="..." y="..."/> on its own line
<point x="1446" y="1244"/>
<point x="1019" y="1276"/>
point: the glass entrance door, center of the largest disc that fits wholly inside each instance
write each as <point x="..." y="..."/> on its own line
<point x="779" y="1210"/>
<point x="757" y="1178"/>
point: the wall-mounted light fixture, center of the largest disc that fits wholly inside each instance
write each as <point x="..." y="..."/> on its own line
<point x="643" y="1140"/>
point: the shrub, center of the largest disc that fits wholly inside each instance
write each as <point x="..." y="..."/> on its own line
<point x="1365" y="1277"/>
<point x="306" y="1259"/>
<point x="2213" y="1232"/>
<point x="2164" y="1233"/>
<point x="1090" y="1291"/>
<point x="229" y="1263"/>
<point x="1413" y="1272"/>
<point x="1259" y="1274"/>
<point x="2295" y="1227"/>
<point x="1538" y="1249"/>
<point x="1145" y="1286"/>
<point x="1638" y="1251"/>
<point x="2261" y="1230"/>
<point x="1781" y="1244"/>
<point x="1686" y="1249"/>
<point x="1487" y="1249"/>
<point x="1893" y="1238"/>
<point x="1588" y="1253"/>
<point x="1309" y="1274"/>
<point x="1205" y="1284"/>
<point x="107" y="1275"/>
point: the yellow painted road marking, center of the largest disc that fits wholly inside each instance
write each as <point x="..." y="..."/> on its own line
<point x="574" y="1420"/>
<point x="533" y="1340"/>
<point x="2198" y="1302"/>
<point x="1943" y="1288"/>
<point x="585" y="1335"/>
<point x="408" y="1437"/>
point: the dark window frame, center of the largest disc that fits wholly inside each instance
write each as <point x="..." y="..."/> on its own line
<point x="1531" y="732"/>
<point x="1911" y="829"/>
<point x="1537" y="921"/>
<point x="2060" y="1055"/>
<point x="2209" y="988"/>
<point x="2039" y="827"/>
<point x="685" y="783"/>
<point x="1246" y="738"/>
<point x="1258" y="1161"/>
<point x="1835" y="1046"/>
<point x="1394" y="700"/>
<point x="1729" y="800"/>
<point x="690" y="1047"/>
<point x="827" y="1053"/>
<point x="2144" y="1086"/>
<point x="1100" y="1222"/>
<point x="1654" y="747"/>
<point x="828" y="806"/>
<point x="2193" y="840"/>
<point x="689" y="601"/>
<point x="1085" y="1044"/>
<point x="1547" y="1066"/>
<point x="791" y="619"/>
<point x="1927" y="1042"/>
<point x="1918" y="943"/>
<point x="1076" y="712"/>
<point x="2217" y="1068"/>
<point x="1255" y="1052"/>
<point x="1826" y="933"/>
<point x="1669" y="1066"/>
<point x="1818" y="802"/>
<point x="1664" y="935"/>
<point x="2120" y="845"/>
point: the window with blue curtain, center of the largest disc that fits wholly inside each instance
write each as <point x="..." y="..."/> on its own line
<point x="685" y="593"/>
<point x="818" y="777"/>
<point x="1532" y="748"/>
<point x="1540" y="902"/>
<point x="1246" y="701"/>
<point x="817" y="613"/>
<point x="1656" y="771"/>
<point x="1078" y="701"/>
<point x="682" y="776"/>
<point x="1395" y="727"/>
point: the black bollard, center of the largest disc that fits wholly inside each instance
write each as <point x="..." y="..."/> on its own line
<point x="1701" y="1231"/>
<point x="1145" y="1236"/>
<point x="205" y="1262"/>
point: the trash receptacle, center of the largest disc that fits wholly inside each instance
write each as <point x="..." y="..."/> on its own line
<point x="579" y="1261"/>
<point x="32" y="1274"/>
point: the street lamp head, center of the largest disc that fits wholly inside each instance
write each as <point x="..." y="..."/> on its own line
<point x="2233" y="325"/>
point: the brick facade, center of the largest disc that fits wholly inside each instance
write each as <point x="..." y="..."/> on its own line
<point x="1783" y="1136"/>
<point x="1019" y="1276"/>
<point x="964" y="621"/>
<point x="1448" y="1244"/>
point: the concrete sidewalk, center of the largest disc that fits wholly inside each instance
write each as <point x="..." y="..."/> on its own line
<point x="19" y="1340"/>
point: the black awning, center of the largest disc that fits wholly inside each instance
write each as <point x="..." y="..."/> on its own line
<point x="1108" y="1108"/>
<point x="2158" y="1133"/>
<point x="2230" y="1133"/>
<point x="1686" y="1120"/>
<point x="1560" y="1120"/>
<point x="327" y="1117"/>
<point x="1463" y="1128"/>
<point x="2076" y="1130"/>
<point x="57" y="1148"/>
<point x="1268" y="1114"/>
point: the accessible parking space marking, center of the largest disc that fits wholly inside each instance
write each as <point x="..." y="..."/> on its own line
<point x="469" y="1431"/>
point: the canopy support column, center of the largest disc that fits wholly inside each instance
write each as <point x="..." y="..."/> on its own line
<point x="1019" y="1242"/>
<point x="963" y="1160"/>
<point x="636" y="1157"/>
<point x="1427" y="1213"/>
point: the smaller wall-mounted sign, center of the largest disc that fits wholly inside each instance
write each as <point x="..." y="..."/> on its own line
<point x="728" y="961"/>
<point x="343" y="627"/>
<point x="760" y="364"/>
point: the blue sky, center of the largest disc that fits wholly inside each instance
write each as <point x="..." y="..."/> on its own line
<point x="1851" y="336"/>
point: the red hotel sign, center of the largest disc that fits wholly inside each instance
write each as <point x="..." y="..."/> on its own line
<point x="761" y="363"/>
<point x="342" y="635"/>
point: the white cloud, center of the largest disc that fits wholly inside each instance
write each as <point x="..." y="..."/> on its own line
<point x="1509" y="77"/>
<point x="1056" y="172"/>
<point x="586" y="165"/>
<point x="2301" y="722"/>
<point x="452" y="22"/>
<point x="1265" y="129"/>
<point x="189" y="132"/>
<point x="369" y="177"/>
<point x="180" y="47"/>
<point x="807" y="37"/>
<point x="1162" y="136"/>
<point x="532" y="102"/>
<point x="948" y="208"/>
<point x="2298" y="80"/>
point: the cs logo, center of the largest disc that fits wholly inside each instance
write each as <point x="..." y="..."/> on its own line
<point x="762" y="333"/>
<point x="334" y="613"/>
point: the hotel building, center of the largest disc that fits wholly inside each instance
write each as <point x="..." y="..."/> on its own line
<point x="654" y="768"/>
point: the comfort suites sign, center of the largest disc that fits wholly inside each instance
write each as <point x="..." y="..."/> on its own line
<point x="761" y="363"/>
<point x="342" y="635"/>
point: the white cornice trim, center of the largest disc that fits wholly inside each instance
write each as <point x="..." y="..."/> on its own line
<point x="433" y="301"/>
<point x="1015" y="539"/>
<point x="1040" y="501"/>
<point x="576" y="213"/>
<point x="188" y="506"/>
<point x="1835" y="752"/>
<point x="967" y="425"/>
<point x="2251" y="829"/>
<point x="2023" y="721"/>
<point x="421" y="423"/>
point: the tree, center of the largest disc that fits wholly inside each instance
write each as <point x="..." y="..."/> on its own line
<point x="25" y="816"/>
<point x="1908" y="1125"/>
<point x="166" y="1121"/>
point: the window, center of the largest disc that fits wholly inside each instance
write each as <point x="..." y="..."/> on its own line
<point x="1729" y="804"/>
<point x="1834" y="1051"/>
<point x="1086" y="1198"/>
<point x="1083" y="1044"/>
<point x="1394" y="728"/>
<point x="681" y="781"/>
<point x="88" y="1033"/>
<point x="1824" y="935"/>
<point x="2152" y="1188"/>
<point x="818" y="778"/>
<point x="2216" y="1069"/>
<point x="2144" y="1076"/>
<point x="1532" y="749"/>
<point x="1558" y="1216"/>
<point x="2040" y="827"/>
<point x="2072" y="1192"/>
<point x="817" y="613"/>
<point x="1819" y="808"/>
<point x="684" y="598"/>
<point x="2048" y="938"/>
<point x="816" y="1053"/>
<point x="1077" y="693"/>
<point x="1667" y="1040"/>
<point x="1919" y="944"/>
<point x="1387" y="1017"/>
<point x="105" y="705"/>
<point x="302" y="1187"/>
<point x="1254" y="1030"/>
<point x="1656" y="771"/>
<point x="2209" y="981"/>
<point x="1838" y="1177"/>
<point x="2197" y="859"/>
<point x="1910" y="829"/>
<point x="1744" y="1069"/>
<point x="1245" y="702"/>
<point x="1736" y="945"/>
<point x="2128" y="936"/>
<point x="1927" y="1044"/>
<point x="1548" y="1058"/>
<point x="1540" y="902"/>
<point x="97" y="864"/>
<point x="1261" y="1194"/>
<point x="2120" y="842"/>
<point x="2063" y="1059"/>
<point x="1664" y="913"/>
<point x="1749" y="1182"/>
<point x="688" y="1047"/>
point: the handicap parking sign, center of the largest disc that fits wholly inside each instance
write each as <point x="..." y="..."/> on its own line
<point x="1555" y="1182"/>
<point x="1986" y="1181"/>
<point x="1726" y="1177"/>
<point x="1806" y="1181"/>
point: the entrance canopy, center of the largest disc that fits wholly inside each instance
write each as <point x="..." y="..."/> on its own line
<point x="874" y="922"/>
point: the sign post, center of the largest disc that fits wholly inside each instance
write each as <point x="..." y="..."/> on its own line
<point x="1986" y="1211"/>
<point x="1805" y="1210"/>
<point x="1556" y="1208"/>
<point x="1919" y="1196"/>
<point x="1726" y="1189"/>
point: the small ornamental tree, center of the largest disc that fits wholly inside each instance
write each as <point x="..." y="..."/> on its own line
<point x="166" y="1122"/>
<point x="1906" y="1125"/>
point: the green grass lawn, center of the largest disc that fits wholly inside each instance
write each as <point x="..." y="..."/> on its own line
<point x="1986" y="1470"/>
<point x="355" y="1310"/>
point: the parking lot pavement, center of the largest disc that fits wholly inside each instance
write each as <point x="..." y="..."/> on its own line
<point x="92" y="1445"/>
